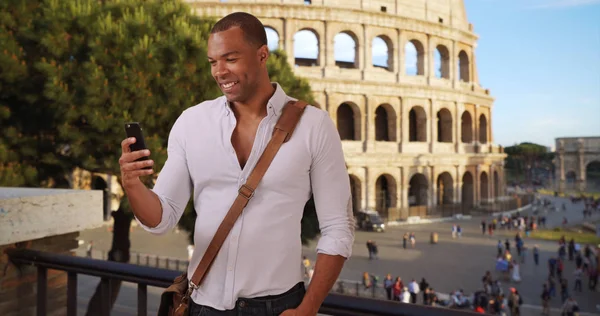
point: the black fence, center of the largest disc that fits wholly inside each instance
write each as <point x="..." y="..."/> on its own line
<point x="334" y="304"/>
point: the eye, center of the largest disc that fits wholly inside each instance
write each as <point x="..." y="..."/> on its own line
<point x="231" y="60"/>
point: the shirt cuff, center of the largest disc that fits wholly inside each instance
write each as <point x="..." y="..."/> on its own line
<point x="163" y="226"/>
<point x="335" y="246"/>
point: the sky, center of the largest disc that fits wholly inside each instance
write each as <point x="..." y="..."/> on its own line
<point x="539" y="58"/>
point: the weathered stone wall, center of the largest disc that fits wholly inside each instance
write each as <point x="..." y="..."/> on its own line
<point x="466" y="152"/>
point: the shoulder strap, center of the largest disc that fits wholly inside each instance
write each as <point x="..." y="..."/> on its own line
<point x="282" y="132"/>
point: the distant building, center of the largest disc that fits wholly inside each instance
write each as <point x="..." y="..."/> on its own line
<point x="577" y="164"/>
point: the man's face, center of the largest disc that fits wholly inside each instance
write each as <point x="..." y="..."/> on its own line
<point x="235" y="63"/>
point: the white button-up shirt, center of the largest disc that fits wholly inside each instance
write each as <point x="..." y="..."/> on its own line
<point x="262" y="254"/>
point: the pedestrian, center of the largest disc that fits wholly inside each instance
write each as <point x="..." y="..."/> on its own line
<point x="214" y="149"/>
<point x="545" y="300"/>
<point x="424" y="286"/>
<point x="483" y="224"/>
<point x="412" y="240"/>
<point x="388" y="284"/>
<point x="413" y="289"/>
<point x="90" y="248"/>
<point x="459" y="231"/>
<point x="536" y="255"/>
<point x="578" y="275"/>
<point x="454" y="231"/>
<point x="404" y="240"/>
<point x="370" y="249"/>
<point x="500" y="248"/>
<point x="514" y="302"/>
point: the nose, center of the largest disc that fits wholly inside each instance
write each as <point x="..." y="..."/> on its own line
<point x="220" y="69"/>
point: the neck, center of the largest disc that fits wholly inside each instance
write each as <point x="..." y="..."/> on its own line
<point x="255" y="106"/>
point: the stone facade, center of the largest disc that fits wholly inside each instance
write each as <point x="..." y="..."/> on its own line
<point x="409" y="140"/>
<point x="573" y="156"/>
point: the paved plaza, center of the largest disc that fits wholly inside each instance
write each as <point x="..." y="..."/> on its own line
<point x="449" y="265"/>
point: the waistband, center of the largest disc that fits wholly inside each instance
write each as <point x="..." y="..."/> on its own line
<point x="272" y="300"/>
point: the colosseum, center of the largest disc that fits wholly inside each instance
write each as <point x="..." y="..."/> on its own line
<point x="416" y="130"/>
<point x="416" y="124"/>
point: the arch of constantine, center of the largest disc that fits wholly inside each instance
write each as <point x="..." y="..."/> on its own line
<point x="578" y="164"/>
<point x="416" y="131"/>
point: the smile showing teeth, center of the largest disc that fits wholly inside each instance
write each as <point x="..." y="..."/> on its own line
<point x="228" y="85"/>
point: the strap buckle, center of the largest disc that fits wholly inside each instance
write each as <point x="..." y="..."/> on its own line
<point x="243" y="194"/>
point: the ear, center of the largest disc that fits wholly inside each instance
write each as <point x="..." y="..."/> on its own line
<point x="263" y="54"/>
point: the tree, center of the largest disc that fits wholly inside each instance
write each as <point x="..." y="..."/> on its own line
<point x="73" y="72"/>
<point x="524" y="157"/>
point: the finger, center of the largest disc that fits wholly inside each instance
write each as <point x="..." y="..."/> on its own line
<point x="135" y="155"/>
<point x="125" y="144"/>
<point x="137" y="165"/>
<point x="138" y="173"/>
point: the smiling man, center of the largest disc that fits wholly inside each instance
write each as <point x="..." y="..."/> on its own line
<point x="212" y="149"/>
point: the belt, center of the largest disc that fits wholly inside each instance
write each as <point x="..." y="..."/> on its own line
<point x="271" y="300"/>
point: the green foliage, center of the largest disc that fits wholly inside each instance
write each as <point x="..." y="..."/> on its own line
<point x="522" y="157"/>
<point x="73" y="72"/>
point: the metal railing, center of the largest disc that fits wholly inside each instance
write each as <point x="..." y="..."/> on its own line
<point x="334" y="304"/>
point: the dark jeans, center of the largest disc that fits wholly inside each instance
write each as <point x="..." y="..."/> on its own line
<point x="257" y="306"/>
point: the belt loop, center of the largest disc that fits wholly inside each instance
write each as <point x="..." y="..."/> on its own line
<point x="269" y="308"/>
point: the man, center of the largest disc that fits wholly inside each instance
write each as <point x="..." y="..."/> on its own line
<point x="212" y="149"/>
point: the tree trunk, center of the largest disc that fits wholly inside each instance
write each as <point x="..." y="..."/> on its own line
<point x="119" y="252"/>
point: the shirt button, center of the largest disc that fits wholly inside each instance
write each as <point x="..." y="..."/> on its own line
<point x="242" y="304"/>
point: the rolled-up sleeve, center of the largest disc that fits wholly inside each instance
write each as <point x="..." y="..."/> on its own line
<point x="173" y="185"/>
<point x="331" y="191"/>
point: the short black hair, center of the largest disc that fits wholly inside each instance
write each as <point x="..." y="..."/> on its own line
<point x="253" y="29"/>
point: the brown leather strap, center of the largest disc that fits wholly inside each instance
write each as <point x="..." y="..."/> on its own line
<point x="282" y="132"/>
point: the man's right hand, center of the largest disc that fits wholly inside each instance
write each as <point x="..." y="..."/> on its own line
<point x="131" y="170"/>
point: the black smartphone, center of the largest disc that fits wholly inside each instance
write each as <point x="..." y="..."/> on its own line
<point x="133" y="129"/>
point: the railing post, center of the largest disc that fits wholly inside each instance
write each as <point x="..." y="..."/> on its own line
<point x="105" y="294"/>
<point x="167" y="262"/>
<point x="42" y="286"/>
<point x="138" y="258"/>
<point x="147" y="260"/>
<point x="142" y="299"/>
<point x="72" y="294"/>
<point x="157" y="261"/>
<point x="177" y="264"/>
<point x="357" y="289"/>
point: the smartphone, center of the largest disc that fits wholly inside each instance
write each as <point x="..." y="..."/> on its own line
<point x="133" y="129"/>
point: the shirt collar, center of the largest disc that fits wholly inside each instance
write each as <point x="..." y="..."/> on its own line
<point x="274" y="105"/>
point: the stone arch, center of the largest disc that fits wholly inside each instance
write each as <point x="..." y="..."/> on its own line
<point x="442" y="62"/>
<point x="356" y="191"/>
<point x="483" y="135"/>
<point x="348" y="121"/>
<point x="592" y="176"/>
<point x="444" y="126"/>
<point x="272" y="38"/>
<point x="385" y="194"/>
<point x="571" y="179"/>
<point x="385" y="123"/>
<point x="306" y="48"/>
<point x="484" y="186"/>
<point x="468" y="195"/>
<point x="496" y="184"/>
<point x="345" y="49"/>
<point x="445" y="189"/>
<point x="417" y="124"/>
<point x="382" y="52"/>
<point x="418" y="188"/>
<point x="99" y="183"/>
<point x="415" y="58"/>
<point x="464" y="66"/>
<point x="466" y="127"/>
